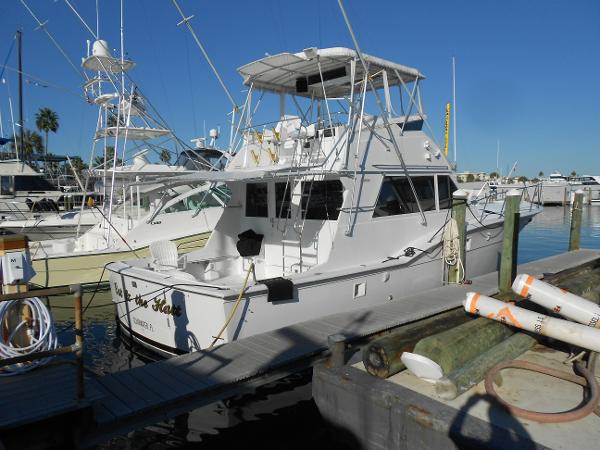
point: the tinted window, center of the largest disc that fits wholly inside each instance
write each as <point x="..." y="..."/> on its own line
<point x="322" y="200"/>
<point x="282" y="199"/>
<point x="445" y="189"/>
<point x="257" y="204"/>
<point x="32" y="183"/>
<point x="425" y="192"/>
<point x="396" y="196"/>
<point x="6" y="186"/>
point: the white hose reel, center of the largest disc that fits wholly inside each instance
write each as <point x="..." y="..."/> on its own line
<point x="40" y="332"/>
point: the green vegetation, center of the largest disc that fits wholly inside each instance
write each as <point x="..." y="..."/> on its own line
<point x="165" y="156"/>
<point x="46" y="120"/>
<point x="32" y="142"/>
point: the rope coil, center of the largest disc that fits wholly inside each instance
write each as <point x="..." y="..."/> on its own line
<point x="40" y="331"/>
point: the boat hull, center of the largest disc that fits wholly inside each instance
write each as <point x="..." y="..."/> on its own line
<point x="88" y="269"/>
<point x="40" y="233"/>
<point x="169" y="316"/>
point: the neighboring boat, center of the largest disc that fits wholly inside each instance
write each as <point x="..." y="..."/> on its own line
<point x="187" y="218"/>
<point x="138" y="208"/>
<point x="23" y="191"/>
<point x="331" y="210"/>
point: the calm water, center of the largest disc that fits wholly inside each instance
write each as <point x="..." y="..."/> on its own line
<point x="281" y="415"/>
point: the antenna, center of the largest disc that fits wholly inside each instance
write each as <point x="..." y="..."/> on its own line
<point x="454" y="107"/>
<point x="498" y="158"/>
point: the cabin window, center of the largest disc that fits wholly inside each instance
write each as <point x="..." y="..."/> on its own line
<point x="257" y="203"/>
<point x="322" y="200"/>
<point x="445" y="189"/>
<point x="199" y="200"/>
<point x="425" y="192"/>
<point x="6" y="187"/>
<point x="283" y="197"/>
<point x="32" y="183"/>
<point x="396" y="196"/>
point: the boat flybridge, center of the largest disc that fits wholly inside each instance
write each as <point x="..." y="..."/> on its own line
<point x="331" y="209"/>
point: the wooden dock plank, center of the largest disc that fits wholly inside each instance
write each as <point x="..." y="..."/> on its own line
<point x="120" y="399"/>
<point x="125" y="379"/>
<point x="163" y="382"/>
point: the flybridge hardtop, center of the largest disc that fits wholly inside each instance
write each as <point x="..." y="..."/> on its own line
<point x="306" y="73"/>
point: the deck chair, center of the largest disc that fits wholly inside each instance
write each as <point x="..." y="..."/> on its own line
<point x="164" y="255"/>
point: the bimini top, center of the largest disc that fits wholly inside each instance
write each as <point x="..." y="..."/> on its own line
<point x="298" y="73"/>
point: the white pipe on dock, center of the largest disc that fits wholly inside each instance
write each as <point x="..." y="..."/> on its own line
<point x="508" y="313"/>
<point x="558" y="300"/>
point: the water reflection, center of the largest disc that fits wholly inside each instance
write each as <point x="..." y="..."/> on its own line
<point x="281" y="414"/>
<point x="548" y="233"/>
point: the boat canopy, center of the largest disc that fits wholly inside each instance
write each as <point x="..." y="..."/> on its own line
<point x="299" y="74"/>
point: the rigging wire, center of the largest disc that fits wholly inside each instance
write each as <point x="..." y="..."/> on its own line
<point x="87" y="27"/>
<point x="42" y="26"/>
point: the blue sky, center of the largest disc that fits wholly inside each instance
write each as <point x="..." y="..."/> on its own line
<point x="528" y="72"/>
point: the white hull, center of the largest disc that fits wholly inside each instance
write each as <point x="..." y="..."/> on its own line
<point x="203" y="311"/>
<point x="40" y="233"/>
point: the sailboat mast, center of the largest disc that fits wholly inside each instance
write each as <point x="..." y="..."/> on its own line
<point x="20" y="71"/>
<point x="454" y="108"/>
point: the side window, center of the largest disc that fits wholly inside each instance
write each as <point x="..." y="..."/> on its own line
<point x="6" y="187"/>
<point x="396" y="196"/>
<point x="283" y="197"/>
<point x="389" y="202"/>
<point x="445" y="189"/>
<point x="322" y="200"/>
<point x="425" y="192"/>
<point x="257" y="204"/>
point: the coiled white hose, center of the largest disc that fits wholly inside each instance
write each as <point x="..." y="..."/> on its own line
<point x="42" y="335"/>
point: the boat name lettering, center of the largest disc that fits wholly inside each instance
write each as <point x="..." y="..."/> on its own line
<point x="160" y="305"/>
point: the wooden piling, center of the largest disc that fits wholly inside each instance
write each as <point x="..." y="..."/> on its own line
<point x="575" y="232"/>
<point x="77" y="292"/>
<point x="337" y="349"/>
<point x="508" y="261"/>
<point x="589" y="199"/>
<point x="456" y="272"/>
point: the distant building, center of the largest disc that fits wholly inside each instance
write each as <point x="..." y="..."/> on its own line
<point x="464" y="177"/>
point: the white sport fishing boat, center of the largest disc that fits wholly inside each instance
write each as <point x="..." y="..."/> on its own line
<point x="331" y="210"/>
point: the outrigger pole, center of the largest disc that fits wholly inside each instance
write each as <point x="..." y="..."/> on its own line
<point x="186" y="20"/>
<point x="382" y="109"/>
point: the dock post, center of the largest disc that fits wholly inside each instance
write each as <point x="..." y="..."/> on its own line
<point x="510" y="245"/>
<point x="77" y="292"/>
<point x="337" y="348"/>
<point x="589" y="202"/>
<point x="459" y="213"/>
<point x="565" y="197"/>
<point x="575" y="232"/>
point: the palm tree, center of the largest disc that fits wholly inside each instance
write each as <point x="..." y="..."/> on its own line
<point x="541" y="174"/>
<point x="46" y="120"/>
<point x="573" y="174"/>
<point x="32" y="141"/>
<point x="165" y="155"/>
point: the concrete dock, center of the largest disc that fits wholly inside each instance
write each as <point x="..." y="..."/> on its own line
<point x="405" y="412"/>
<point x="128" y="400"/>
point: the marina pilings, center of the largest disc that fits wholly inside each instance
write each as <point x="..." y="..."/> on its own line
<point x="457" y="271"/>
<point x="510" y="244"/>
<point x="575" y="231"/>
